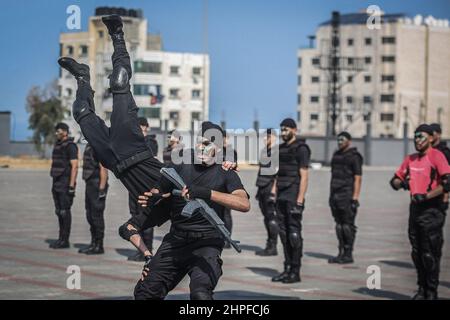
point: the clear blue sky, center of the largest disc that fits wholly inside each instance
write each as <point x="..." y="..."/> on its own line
<point x="252" y="46"/>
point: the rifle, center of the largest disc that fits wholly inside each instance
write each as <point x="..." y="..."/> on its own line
<point x="192" y="205"/>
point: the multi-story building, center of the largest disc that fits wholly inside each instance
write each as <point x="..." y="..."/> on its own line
<point x="171" y="89"/>
<point x="405" y="76"/>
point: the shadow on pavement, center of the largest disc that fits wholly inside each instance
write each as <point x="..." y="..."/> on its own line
<point x="81" y="245"/>
<point x="319" y="255"/>
<point x="248" y="247"/>
<point x="266" y="272"/>
<point x="382" y="294"/>
<point x="126" y="252"/>
<point x="50" y="241"/>
<point x="400" y="264"/>
<point x="444" y="284"/>
<point x="236" y="295"/>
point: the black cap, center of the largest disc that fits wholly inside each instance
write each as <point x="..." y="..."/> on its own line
<point x="436" y="127"/>
<point x="143" y="122"/>
<point x="288" y="122"/>
<point x="62" y="126"/>
<point x="345" y="134"/>
<point x="208" y="125"/>
<point x="424" y="128"/>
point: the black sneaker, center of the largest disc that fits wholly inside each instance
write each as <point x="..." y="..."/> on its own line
<point x="78" y="70"/>
<point x="292" y="277"/>
<point x="63" y="244"/>
<point x="113" y="23"/>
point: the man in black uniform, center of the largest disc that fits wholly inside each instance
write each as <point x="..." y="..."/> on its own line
<point x="442" y="147"/>
<point x="120" y="148"/>
<point x="290" y="189"/>
<point x="96" y="178"/>
<point x="345" y="187"/>
<point x="193" y="246"/>
<point x="265" y="197"/>
<point x="64" y="173"/>
<point x="174" y="147"/>
<point x="147" y="235"/>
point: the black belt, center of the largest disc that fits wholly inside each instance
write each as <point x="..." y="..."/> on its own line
<point x="194" y="234"/>
<point x="131" y="161"/>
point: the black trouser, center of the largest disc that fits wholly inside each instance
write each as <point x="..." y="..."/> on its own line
<point x="63" y="202"/>
<point x="95" y="208"/>
<point x="178" y="255"/>
<point x="146" y="234"/>
<point x="344" y="216"/>
<point x="426" y="222"/>
<point x="268" y="211"/>
<point x="290" y="233"/>
<point x="124" y="138"/>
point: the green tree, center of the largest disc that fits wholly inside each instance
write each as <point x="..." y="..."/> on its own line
<point x="45" y="111"/>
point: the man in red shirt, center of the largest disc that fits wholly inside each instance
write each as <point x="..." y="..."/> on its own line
<point x="425" y="174"/>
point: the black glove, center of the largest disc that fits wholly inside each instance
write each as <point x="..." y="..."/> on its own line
<point x="71" y="192"/>
<point x="101" y="194"/>
<point x="355" y="205"/>
<point x="298" y="209"/>
<point x="419" y="198"/>
<point x="405" y="184"/>
<point x="199" y="192"/>
<point x="154" y="199"/>
<point x="147" y="261"/>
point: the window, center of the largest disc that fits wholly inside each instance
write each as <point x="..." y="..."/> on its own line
<point x="149" y="113"/>
<point x="141" y="90"/>
<point x="196" y="94"/>
<point x="174" y="115"/>
<point x="387" y="78"/>
<point x="349" y="99"/>
<point x="68" y="92"/>
<point x="299" y="116"/>
<point x="350" y="60"/>
<point x="299" y="99"/>
<point x="69" y="50"/>
<point x="367" y="99"/>
<point x="147" y="67"/>
<point x="314" y="99"/>
<point x="387" y="117"/>
<point x="388" y="59"/>
<point x="350" y="42"/>
<point x="174" y="70"/>
<point x="387" y="98"/>
<point x="349" y="118"/>
<point x="174" y="93"/>
<point x="388" y="40"/>
<point x="299" y="80"/>
<point x="299" y="62"/>
<point x="315" y="79"/>
<point x="368" y="41"/>
<point x="83" y="50"/>
<point x="367" y="79"/>
<point x="368" y="60"/>
<point x="196" y="71"/>
<point x="314" y="117"/>
<point x="195" y="116"/>
<point x="100" y="34"/>
<point x="350" y="79"/>
<point x="315" y="61"/>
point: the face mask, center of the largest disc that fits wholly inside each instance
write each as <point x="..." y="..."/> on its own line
<point x="420" y="141"/>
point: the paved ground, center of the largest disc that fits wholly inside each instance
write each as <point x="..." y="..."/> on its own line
<point x="29" y="270"/>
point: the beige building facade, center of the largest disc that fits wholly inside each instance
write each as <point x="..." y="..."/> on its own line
<point x="405" y="76"/>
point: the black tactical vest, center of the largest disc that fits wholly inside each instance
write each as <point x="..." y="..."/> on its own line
<point x="445" y="150"/>
<point x="342" y="176"/>
<point x="60" y="158"/>
<point x="265" y="161"/>
<point x="288" y="173"/>
<point x="91" y="167"/>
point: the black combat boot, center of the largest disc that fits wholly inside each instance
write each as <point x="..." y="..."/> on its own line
<point x="79" y="70"/>
<point x="89" y="247"/>
<point x="293" y="276"/>
<point x="347" y="257"/>
<point x="270" y="250"/>
<point x="62" y="244"/>
<point x="283" y="275"/>
<point x="431" y="294"/>
<point x="420" y="294"/>
<point x="338" y="258"/>
<point x="114" y="25"/>
<point x="97" y="249"/>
